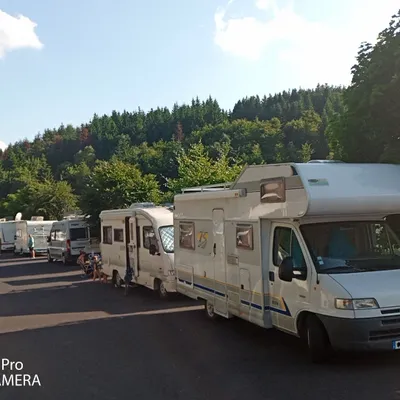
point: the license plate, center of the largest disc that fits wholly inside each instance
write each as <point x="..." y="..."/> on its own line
<point x="396" y="344"/>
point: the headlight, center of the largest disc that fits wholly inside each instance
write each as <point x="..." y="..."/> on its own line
<point x="356" y="304"/>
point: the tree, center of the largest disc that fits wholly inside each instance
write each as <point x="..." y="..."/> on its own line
<point x="368" y="130"/>
<point x="115" y="184"/>
<point x="196" y="168"/>
<point x="49" y="198"/>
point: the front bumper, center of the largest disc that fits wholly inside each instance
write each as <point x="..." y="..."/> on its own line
<point x="361" y="334"/>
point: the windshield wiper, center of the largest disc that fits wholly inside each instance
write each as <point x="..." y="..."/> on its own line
<point x="342" y="268"/>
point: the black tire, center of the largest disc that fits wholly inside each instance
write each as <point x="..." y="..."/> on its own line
<point x="319" y="347"/>
<point x="117" y="281"/>
<point x="209" y="310"/>
<point x="49" y="259"/>
<point x="64" y="259"/>
<point x="162" y="291"/>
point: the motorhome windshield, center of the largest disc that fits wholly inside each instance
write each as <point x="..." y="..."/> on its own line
<point x="348" y="247"/>
<point x="167" y="238"/>
<point x="40" y="231"/>
<point x="79" y="234"/>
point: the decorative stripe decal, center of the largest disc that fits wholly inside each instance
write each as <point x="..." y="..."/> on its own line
<point x="286" y="311"/>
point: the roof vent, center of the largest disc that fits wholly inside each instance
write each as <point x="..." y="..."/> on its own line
<point x="37" y="218"/>
<point x="325" y="161"/>
<point x="142" y="205"/>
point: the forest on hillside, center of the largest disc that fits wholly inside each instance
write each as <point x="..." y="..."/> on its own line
<point x="115" y="160"/>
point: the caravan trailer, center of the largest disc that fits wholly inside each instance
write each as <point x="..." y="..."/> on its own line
<point x="303" y="248"/>
<point x="141" y="237"/>
<point x="8" y="232"/>
<point x="36" y="227"/>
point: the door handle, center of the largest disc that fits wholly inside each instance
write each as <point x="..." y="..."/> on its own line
<point x="215" y="249"/>
<point x="271" y="276"/>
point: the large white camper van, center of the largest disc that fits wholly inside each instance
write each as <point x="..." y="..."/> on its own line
<point x="300" y="247"/>
<point x="38" y="228"/>
<point x="141" y="237"/>
<point x="7" y="234"/>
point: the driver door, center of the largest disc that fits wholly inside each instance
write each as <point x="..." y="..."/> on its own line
<point x="133" y="246"/>
<point x="287" y="298"/>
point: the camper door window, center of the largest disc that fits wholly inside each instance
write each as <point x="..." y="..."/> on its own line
<point x="186" y="235"/>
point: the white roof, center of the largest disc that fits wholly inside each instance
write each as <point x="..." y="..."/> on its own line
<point x="160" y="216"/>
<point x="311" y="190"/>
<point x="333" y="188"/>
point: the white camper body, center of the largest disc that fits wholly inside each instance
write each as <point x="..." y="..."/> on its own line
<point x="142" y="238"/>
<point x="300" y="247"/>
<point x="67" y="239"/>
<point x="8" y="233"/>
<point x="39" y="231"/>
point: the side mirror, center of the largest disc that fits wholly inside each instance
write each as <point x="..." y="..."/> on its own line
<point x="15" y="237"/>
<point x="48" y="239"/>
<point x="286" y="270"/>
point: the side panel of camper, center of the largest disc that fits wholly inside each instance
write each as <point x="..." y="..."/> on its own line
<point x="8" y="232"/>
<point x="21" y="242"/>
<point x="218" y="259"/>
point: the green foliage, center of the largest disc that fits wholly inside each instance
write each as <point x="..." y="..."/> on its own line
<point x="196" y="168"/>
<point x="116" y="184"/>
<point x="368" y="129"/>
<point x="49" y="198"/>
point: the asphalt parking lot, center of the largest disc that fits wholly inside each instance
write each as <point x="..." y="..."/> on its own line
<point x="87" y="340"/>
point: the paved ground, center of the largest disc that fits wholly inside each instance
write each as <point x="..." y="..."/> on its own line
<point x="86" y="340"/>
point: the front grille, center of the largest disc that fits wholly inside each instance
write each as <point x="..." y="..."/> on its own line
<point x="384" y="334"/>
<point x="391" y="311"/>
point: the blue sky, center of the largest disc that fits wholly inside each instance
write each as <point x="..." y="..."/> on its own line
<point x="65" y="60"/>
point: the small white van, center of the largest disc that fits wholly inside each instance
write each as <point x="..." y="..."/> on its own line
<point x="38" y="228"/>
<point x="67" y="239"/>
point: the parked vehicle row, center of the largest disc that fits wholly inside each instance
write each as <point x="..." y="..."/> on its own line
<point x="303" y="248"/>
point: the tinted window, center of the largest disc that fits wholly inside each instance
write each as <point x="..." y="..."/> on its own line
<point x="78" y="233"/>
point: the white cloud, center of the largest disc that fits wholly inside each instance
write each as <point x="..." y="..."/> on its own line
<point x="17" y="33"/>
<point x="3" y="146"/>
<point x="317" y="51"/>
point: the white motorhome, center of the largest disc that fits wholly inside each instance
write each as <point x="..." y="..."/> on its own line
<point x="67" y="239"/>
<point x="38" y="228"/>
<point x="141" y="237"/>
<point x="8" y="232"/>
<point x="303" y="248"/>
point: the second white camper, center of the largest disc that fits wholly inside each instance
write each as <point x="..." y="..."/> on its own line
<point x="141" y="237"/>
<point x="39" y="230"/>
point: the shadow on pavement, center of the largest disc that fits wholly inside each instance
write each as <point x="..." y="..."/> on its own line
<point x="184" y="356"/>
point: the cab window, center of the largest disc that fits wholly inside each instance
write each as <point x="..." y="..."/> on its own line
<point x="287" y="245"/>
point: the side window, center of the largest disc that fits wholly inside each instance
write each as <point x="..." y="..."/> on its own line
<point x="186" y="235"/>
<point x="19" y="233"/>
<point x="244" y="237"/>
<point x="107" y="235"/>
<point x="118" y="235"/>
<point x="148" y="236"/>
<point x="287" y="245"/>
